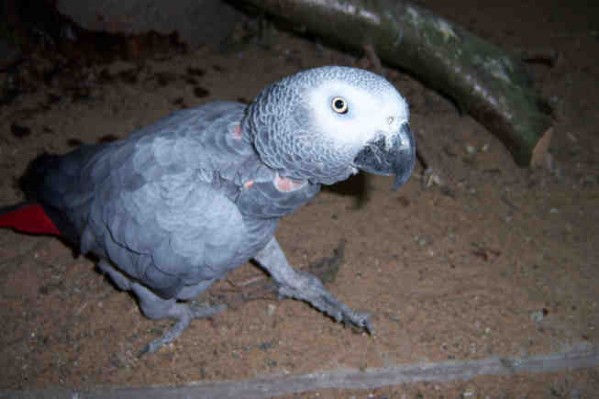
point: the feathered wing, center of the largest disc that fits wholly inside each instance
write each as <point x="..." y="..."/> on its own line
<point x="168" y="233"/>
<point x="159" y="204"/>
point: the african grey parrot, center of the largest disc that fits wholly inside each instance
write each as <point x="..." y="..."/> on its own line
<point x="178" y="204"/>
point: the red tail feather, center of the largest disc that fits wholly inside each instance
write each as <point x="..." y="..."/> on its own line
<point x="29" y="219"/>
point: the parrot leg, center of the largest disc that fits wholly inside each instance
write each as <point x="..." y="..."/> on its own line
<point x="307" y="287"/>
<point x="155" y="307"/>
<point x="119" y="279"/>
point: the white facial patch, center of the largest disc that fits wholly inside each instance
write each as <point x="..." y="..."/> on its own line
<point x="369" y="113"/>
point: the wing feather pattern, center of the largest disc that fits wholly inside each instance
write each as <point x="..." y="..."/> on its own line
<point x="159" y="204"/>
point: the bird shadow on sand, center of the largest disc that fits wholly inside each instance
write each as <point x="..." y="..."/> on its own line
<point x="356" y="187"/>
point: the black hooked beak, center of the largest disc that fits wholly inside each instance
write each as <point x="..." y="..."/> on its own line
<point x="391" y="155"/>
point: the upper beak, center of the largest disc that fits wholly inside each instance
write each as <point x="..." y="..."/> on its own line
<point x="393" y="154"/>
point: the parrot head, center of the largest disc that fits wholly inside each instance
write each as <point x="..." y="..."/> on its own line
<point x="325" y="124"/>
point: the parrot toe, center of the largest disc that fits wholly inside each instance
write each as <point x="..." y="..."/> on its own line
<point x="359" y="320"/>
<point x="157" y="308"/>
<point x="184" y="314"/>
<point x="310" y="289"/>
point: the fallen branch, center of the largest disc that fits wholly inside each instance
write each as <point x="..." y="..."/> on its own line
<point x="480" y="77"/>
<point x="578" y="358"/>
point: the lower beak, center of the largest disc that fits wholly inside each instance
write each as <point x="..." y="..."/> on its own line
<point x="389" y="155"/>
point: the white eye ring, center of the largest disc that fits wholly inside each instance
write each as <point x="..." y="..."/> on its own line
<point x="339" y="105"/>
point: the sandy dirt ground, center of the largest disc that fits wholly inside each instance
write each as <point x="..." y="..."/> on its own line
<point x="499" y="261"/>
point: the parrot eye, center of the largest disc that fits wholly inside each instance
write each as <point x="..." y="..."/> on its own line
<point x="339" y="105"/>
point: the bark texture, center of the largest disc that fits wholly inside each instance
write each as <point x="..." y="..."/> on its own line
<point x="481" y="78"/>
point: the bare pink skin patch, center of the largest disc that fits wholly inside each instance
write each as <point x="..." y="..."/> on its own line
<point x="286" y="184"/>
<point x="236" y="131"/>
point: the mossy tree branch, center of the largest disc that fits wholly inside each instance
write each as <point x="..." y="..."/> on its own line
<point x="481" y="78"/>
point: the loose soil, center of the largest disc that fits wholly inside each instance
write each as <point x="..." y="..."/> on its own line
<point x="497" y="260"/>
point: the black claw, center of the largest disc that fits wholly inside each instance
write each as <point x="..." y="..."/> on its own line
<point x="358" y="325"/>
<point x="147" y="349"/>
<point x="368" y="327"/>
